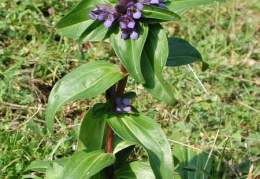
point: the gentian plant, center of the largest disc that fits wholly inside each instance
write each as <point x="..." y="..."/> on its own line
<point x="110" y="131"/>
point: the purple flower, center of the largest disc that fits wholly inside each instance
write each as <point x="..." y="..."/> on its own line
<point x="134" y="9"/>
<point x="105" y="13"/>
<point x="123" y="105"/>
<point x="126" y="22"/>
<point x="126" y="10"/>
<point x="132" y="32"/>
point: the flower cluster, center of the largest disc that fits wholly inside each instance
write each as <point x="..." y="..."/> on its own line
<point x="127" y="11"/>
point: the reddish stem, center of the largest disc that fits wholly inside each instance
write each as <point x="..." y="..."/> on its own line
<point x="110" y="133"/>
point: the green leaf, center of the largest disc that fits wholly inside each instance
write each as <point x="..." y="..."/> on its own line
<point x="84" y="164"/>
<point x="159" y="13"/>
<point x="180" y="6"/>
<point x="122" y="149"/>
<point x="95" y="32"/>
<point x="86" y="81"/>
<point x="153" y="61"/>
<point x="122" y="156"/>
<point x="135" y="170"/>
<point x="92" y="134"/>
<point x="100" y="175"/>
<point x="41" y="166"/>
<point x="192" y="161"/>
<point x="182" y="52"/>
<point x="120" y="144"/>
<point x="145" y="132"/>
<point x="74" y="31"/>
<point x="79" y="13"/>
<point x="54" y="171"/>
<point x="129" y="51"/>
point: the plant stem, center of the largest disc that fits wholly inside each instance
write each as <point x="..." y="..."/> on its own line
<point x="110" y="133"/>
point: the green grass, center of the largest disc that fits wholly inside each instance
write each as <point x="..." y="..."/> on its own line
<point x="227" y="35"/>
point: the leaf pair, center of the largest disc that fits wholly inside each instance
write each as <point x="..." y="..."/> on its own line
<point x="134" y="130"/>
<point x="145" y="59"/>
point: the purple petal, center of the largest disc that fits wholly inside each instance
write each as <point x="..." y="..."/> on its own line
<point x="118" y="101"/>
<point x="128" y="12"/>
<point x="124" y="35"/>
<point x="121" y="19"/>
<point x="108" y="23"/>
<point x="102" y="16"/>
<point x="131" y="24"/>
<point x="139" y="6"/>
<point x="162" y="5"/>
<point x="92" y="15"/>
<point x="123" y="25"/>
<point x="127" y="109"/>
<point x="126" y="101"/>
<point x="105" y="7"/>
<point x="137" y="15"/>
<point x="154" y="1"/>
<point x="134" y="35"/>
<point x="118" y="109"/>
<point x="147" y="2"/>
<point x="130" y="4"/>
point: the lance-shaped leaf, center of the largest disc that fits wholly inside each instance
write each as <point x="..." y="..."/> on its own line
<point x="129" y="51"/>
<point x="122" y="149"/>
<point x="92" y="134"/>
<point x="120" y="144"/>
<point x="183" y="53"/>
<point x="95" y="32"/>
<point x="87" y="81"/>
<point x="74" y="31"/>
<point x="159" y="13"/>
<point x="153" y="61"/>
<point x="145" y="132"/>
<point x="180" y="6"/>
<point x="79" y="13"/>
<point x="136" y="169"/>
<point x="84" y="164"/>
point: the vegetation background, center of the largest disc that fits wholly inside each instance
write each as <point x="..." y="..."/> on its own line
<point x="227" y="119"/>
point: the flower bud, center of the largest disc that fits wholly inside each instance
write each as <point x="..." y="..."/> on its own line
<point x="120" y="7"/>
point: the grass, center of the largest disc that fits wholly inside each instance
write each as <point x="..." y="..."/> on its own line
<point x="33" y="58"/>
